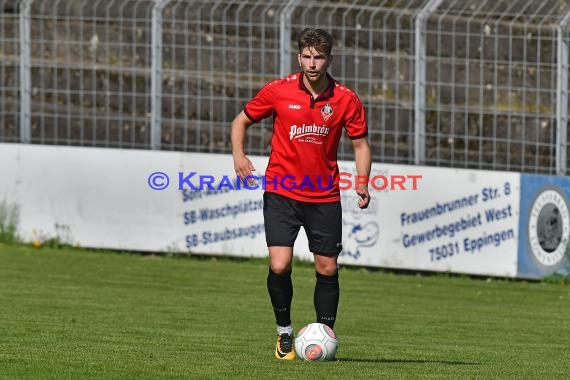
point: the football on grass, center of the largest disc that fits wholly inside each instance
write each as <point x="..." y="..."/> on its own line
<point x="316" y="341"/>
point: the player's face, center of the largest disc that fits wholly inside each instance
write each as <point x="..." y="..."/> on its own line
<point x="314" y="64"/>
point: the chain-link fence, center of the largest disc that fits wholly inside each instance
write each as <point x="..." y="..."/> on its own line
<point x="492" y="84"/>
<point x="216" y="55"/>
<point x="479" y="84"/>
<point x="9" y="72"/>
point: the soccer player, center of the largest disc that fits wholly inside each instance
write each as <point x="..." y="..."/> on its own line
<point x="310" y="109"/>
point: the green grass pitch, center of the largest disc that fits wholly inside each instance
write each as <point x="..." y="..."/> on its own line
<point x="79" y="314"/>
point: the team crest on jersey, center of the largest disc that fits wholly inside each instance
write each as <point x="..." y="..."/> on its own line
<point x="326" y="111"/>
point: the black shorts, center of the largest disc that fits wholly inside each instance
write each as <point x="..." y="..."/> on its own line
<point x="322" y="223"/>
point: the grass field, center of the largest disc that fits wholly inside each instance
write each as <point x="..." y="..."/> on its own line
<point x="83" y="314"/>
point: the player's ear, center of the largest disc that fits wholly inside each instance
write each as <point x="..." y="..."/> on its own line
<point x="299" y="59"/>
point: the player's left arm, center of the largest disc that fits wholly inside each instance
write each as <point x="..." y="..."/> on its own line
<point x="357" y="130"/>
<point x="363" y="159"/>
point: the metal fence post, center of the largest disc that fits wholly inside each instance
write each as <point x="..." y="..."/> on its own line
<point x="285" y="37"/>
<point x="562" y="97"/>
<point x="25" y="72"/>
<point x="156" y="75"/>
<point x="420" y="81"/>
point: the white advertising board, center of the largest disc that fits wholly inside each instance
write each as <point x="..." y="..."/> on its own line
<point x="463" y="221"/>
<point x="103" y="199"/>
<point x="420" y="218"/>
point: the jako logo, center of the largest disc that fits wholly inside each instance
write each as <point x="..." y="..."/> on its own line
<point x="294" y="107"/>
<point x="305" y="130"/>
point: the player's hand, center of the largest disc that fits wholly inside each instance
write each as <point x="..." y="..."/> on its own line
<point x="364" y="195"/>
<point x="243" y="167"/>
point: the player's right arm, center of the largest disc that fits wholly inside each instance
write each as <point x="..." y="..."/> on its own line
<point x="258" y="108"/>
<point x="242" y="165"/>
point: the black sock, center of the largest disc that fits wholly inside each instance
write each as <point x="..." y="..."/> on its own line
<point x="280" y="290"/>
<point x="326" y="297"/>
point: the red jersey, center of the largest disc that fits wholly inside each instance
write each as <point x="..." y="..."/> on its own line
<point x="306" y="133"/>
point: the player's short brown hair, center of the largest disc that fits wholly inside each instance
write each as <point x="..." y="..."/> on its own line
<point x="318" y="39"/>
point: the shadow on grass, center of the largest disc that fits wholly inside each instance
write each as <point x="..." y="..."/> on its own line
<point x="404" y="361"/>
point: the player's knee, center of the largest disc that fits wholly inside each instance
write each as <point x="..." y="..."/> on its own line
<point x="280" y="268"/>
<point x="327" y="269"/>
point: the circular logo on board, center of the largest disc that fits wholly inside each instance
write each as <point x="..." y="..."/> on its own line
<point x="549" y="227"/>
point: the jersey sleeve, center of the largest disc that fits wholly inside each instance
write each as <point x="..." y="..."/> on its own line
<point x="356" y="126"/>
<point x="261" y="106"/>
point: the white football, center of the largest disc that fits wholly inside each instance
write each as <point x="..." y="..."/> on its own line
<point x="316" y="341"/>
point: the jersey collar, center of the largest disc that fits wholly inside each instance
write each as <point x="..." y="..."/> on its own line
<point x="327" y="93"/>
